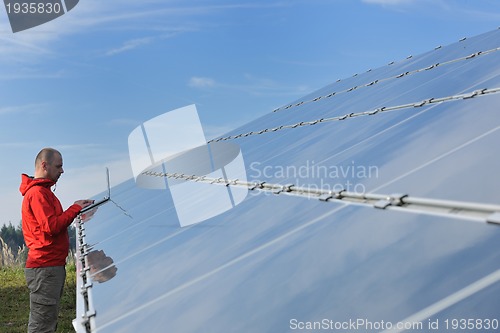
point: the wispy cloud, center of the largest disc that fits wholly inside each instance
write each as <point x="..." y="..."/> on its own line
<point x="28" y="108"/>
<point x="130" y="45"/>
<point x="11" y="42"/>
<point x="201" y="82"/>
<point x="252" y="85"/>
<point x="32" y="45"/>
<point x="135" y="43"/>
<point x="109" y="15"/>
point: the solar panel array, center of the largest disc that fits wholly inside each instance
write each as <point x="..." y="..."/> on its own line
<point x="372" y="206"/>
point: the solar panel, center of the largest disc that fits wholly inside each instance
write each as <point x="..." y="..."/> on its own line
<point x="372" y="205"/>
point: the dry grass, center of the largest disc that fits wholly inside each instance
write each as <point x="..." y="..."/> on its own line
<point x="8" y="258"/>
<point x="14" y="294"/>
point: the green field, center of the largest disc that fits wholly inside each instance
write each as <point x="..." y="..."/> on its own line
<point x="14" y="301"/>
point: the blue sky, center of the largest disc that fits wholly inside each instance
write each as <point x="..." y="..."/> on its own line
<point x="83" y="82"/>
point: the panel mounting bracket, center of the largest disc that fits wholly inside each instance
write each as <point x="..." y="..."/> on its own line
<point x="392" y="200"/>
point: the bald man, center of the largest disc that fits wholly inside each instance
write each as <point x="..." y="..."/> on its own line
<point x="45" y="229"/>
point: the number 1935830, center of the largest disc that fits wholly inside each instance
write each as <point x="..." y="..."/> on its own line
<point x="472" y="324"/>
<point x="33" y="8"/>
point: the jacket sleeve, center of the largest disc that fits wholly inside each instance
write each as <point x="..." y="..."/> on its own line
<point x="46" y="214"/>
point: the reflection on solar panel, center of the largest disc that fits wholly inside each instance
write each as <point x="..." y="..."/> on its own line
<point x="372" y="205"/>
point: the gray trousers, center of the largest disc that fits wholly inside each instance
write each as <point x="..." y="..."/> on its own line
<point x="46" y="287"/>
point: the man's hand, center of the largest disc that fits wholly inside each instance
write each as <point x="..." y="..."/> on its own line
<point x="84" y="203"/>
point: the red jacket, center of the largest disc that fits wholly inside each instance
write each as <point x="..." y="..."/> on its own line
<point x="45" y="224"/>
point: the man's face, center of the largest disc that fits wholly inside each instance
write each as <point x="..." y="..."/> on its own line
<point x="54" y="170"/>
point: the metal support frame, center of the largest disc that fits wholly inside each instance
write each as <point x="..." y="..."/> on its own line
<point x="84" y="280"/>
<point x="471" y="56"/>
<point x="472" y="211"/>
<point x="85" y="319"/>
<point x="425" y="102"/>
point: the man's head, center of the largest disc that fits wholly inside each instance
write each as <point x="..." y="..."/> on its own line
<point x="49" y="164"/>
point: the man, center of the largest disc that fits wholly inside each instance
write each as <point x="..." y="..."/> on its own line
<point x="46" y="235"/>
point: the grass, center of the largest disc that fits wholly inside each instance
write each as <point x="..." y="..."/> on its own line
<point x="15" y="304"/>
<point x="10" y="258"/>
